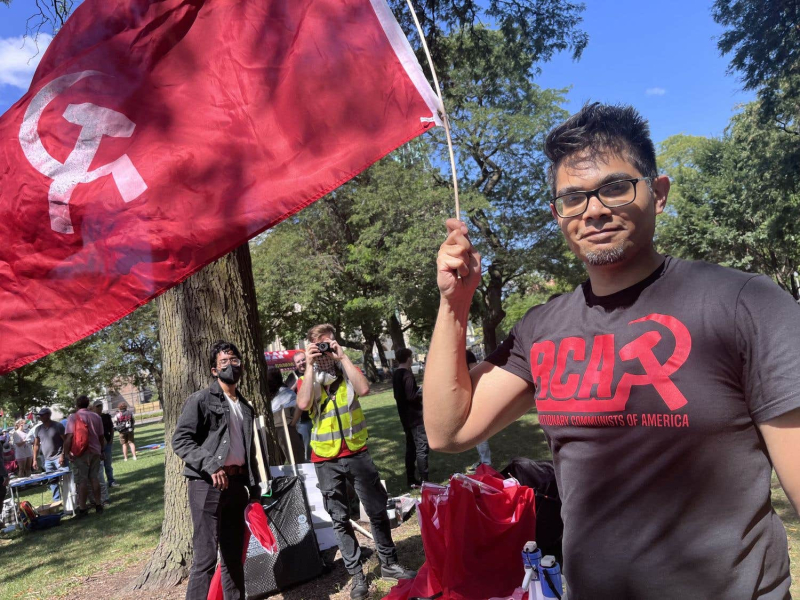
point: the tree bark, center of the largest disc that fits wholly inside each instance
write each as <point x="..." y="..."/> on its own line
<point x="370" y="371"/>
<point x="382" y="354"/>
<point x="396" y="333"/>
<point x="218" y="302"/>
<point x="493" y="312"/>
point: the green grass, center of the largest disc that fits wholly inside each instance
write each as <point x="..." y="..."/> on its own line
<point x="52" y="563"/>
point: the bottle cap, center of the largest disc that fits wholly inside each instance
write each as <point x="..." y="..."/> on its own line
<point x="548" y="561"/>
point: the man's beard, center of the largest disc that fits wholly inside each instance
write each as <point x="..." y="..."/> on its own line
<point x="605" y="256"/>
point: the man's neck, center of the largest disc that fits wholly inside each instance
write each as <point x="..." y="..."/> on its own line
<point x="229" y="389"/>
<point x="405" y="366"/>
<point x="609" y="279"/>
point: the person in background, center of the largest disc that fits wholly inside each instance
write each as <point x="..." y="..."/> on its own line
<point x="4" y="481"/>
<point x="301" y="420"/>
<point x="340" y="455"/>
<point x="23" y="453"/>
<point x="49" y="438"/>
<point x="214" y="437"/>
<point x="86" y="464"/>
<point x="108" y="436"/>
<point x="8" y="452"/>
<point x="124" y="423"/>
<point x="284" y="406"/>
<point x="408" y="396"/>
<point x="484" y="451"/>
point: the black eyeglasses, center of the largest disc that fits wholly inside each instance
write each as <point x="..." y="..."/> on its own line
<point x="611" y="195"/>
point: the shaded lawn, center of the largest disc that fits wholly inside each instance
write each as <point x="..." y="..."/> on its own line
<point x="49" y="563"/>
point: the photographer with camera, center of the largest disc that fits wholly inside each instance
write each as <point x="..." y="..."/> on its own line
<point x="330" y="392"/>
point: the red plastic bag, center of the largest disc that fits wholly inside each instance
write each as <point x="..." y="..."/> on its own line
<point x="473" y="531"/>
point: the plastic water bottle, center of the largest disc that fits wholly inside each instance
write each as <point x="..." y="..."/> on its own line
<point x="531" y="556"/>
<point x="550" y="578"/>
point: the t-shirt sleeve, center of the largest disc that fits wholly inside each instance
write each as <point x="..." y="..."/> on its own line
<point x="512" y="354"/>
<point x="768" y="330"/>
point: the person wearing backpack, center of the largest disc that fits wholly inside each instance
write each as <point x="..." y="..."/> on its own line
<point x="83" y="445"/>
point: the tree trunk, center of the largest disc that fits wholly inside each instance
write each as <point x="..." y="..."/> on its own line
<point x="382" y="354"/>
<point x="216" y="303"/>
<point x="370" y="371"/>
<point x="396" y="333"/>
<point x="493" y="312"/>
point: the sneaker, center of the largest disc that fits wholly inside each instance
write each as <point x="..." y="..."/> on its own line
<point x="81" y="513"/>
<point x="113" y="484"/>
<point x="395" y="571"/>
<point x="134" y="457"/>
<point x="98" y="508"/>
<point x="126" y="459"/>
<point x="359" y="588"/>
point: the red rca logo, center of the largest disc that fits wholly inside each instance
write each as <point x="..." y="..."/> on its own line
<point x="577" y="393"/>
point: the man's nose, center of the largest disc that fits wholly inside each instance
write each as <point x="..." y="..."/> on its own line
<point x="596" y="209"/>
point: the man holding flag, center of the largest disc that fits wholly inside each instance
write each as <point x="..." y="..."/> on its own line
<point x="668" y="389"/>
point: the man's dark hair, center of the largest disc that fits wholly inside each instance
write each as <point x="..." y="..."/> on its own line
<point x="403" y="355"/>
<point x="82" y="402"/>
<point x="222" y="346"/>
<point x="597" y="129"/>
<point x="274" y="380"/>
<point x="471" y="357"/>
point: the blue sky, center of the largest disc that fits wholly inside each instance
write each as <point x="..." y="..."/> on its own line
<point x="661" y="57"/>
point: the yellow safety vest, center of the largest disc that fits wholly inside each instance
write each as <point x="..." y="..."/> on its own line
<point x="334" y="421"/>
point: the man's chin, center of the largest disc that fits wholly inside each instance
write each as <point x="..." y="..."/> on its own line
<point x="601" y="257"/>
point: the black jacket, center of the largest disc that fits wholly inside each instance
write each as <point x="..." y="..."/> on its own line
<point x="408" y="397"/>
<point x="202" y="440"/>
<point x="108" y="427"/>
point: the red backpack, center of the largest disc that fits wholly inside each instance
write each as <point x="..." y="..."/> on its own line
<point x="80" y="436"/>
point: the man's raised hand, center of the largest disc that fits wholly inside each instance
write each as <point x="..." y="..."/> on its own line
<point x="458" y="265"/>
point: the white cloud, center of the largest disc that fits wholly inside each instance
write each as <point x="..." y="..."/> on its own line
<point x="19" y="57"/>
<point x="655" y="91"/>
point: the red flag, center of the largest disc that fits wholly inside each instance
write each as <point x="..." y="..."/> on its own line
<point x="158" y="135"/>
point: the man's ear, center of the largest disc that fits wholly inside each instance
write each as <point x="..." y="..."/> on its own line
<point x="661" y="185"/>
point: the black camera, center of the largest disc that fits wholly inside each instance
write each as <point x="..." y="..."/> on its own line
<point x="325" y="347"/>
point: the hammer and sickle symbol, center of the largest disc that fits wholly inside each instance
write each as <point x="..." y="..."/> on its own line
<point x="95" y="121"/>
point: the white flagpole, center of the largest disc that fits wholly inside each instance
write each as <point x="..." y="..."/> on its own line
<point x="445" y="119"/>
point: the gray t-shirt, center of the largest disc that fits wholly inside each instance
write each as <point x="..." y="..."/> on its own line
<point x="51" y="439"/>
<point x="650" y="400"/>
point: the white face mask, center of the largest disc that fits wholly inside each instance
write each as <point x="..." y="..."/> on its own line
<point x="324" y="378"/>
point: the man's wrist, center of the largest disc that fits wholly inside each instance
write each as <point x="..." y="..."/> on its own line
<point x="455" y="308"/>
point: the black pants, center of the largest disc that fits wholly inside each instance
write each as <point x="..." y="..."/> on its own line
<point x="361" y="472"/>
<point x="417" y="450"/>
<point x="218" y="517"/>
